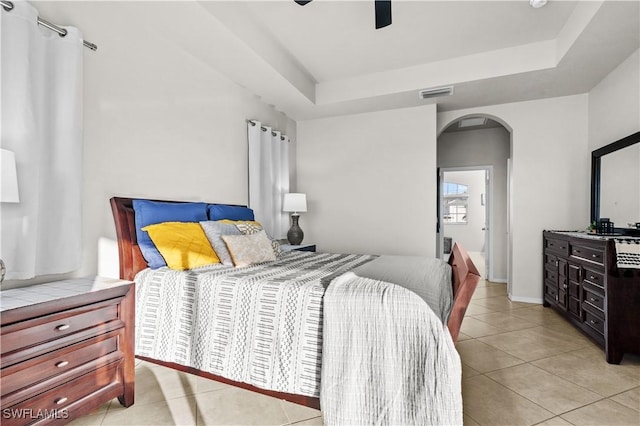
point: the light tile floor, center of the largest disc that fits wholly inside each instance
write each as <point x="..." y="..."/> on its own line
<point x="522" y="365"/>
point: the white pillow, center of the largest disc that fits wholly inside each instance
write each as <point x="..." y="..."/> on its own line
<point x="248" y="249"/>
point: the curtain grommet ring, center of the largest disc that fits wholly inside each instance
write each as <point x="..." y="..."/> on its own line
<point x="7" y="5"/>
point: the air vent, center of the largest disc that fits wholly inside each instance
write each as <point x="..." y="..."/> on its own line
<point x="435" y="92"/>
<point x="472" y="122"/>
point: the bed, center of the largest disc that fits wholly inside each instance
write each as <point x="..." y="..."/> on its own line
<point x="324" y="282"/>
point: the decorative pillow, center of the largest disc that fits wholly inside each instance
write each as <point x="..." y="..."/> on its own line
<point x="249" y="249"/>
<point x="183" y="245"/>
<point x="252" y="227"/>
<point x="221" y="211"/>
<point x="214" y="230"/>
<point x="152" y="212"/>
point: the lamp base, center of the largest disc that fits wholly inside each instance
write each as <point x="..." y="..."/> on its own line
<point x="295" y="234"/>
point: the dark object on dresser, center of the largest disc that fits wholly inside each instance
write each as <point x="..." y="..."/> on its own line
<point x="583" y="283"/>
<point x="64" y="358"/>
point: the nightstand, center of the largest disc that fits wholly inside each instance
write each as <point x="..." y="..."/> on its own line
<point x="301" y="247"/>
<point x="67" y="348"/>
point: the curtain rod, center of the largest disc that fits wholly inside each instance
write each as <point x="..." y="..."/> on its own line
<point x="264" y="129"/>
<point x="8" y="6"/>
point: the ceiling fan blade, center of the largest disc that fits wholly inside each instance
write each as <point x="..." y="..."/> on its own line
<point x="302" y="2"/>
<point x="383" y="13"/>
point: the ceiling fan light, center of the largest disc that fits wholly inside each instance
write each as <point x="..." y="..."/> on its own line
<point x="536" y="4"/>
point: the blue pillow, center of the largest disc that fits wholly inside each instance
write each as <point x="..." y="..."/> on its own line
<point x="152" y="212"/>
<point x="221" y="211"/>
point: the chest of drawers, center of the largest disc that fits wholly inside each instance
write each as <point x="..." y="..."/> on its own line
<point x="66" y="348"/>
<point x="582" y="282"/>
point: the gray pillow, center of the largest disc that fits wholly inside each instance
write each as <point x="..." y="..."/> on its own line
<point x="214" y="230"/>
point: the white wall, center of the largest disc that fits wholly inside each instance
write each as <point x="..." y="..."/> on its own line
<point x="550" y="177"/>
<point x="486" y="147"/>
<point x="469" y="234"/>
<point x="370" y="181"/>
<point x="614" y="104"/>
<point x="614" y="112"/>
<point x="173" y="129"/>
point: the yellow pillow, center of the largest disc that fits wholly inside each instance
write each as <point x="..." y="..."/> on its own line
<point x="184" y="245"/>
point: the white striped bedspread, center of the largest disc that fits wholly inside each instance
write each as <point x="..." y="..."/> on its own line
<point x="386" y="360"/>
<point x="260" y="324"/>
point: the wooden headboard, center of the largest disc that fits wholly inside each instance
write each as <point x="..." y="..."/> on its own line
<point x="465" y="275"/>
<point x="131" y="259"/>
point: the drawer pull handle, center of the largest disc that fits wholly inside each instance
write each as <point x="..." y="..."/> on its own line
<point x="577" y="251"/>
<point x="62" y="327"/>
<point x="592" y="277"/>
<point x="60" y="401"/>
<point x="593" y="322"/>
<point x="594" y="255"/>
<point x="62" y="364"/>
<point x="593" y="299"/>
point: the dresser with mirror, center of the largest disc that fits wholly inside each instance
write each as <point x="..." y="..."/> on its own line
<point x="593" y="279"/>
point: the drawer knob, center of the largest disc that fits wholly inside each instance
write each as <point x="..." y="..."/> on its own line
<point x="593" y="322"/>
<point x="592" y="277"/>
<point x="62" y="364"/>
<point x="593" y="299"/>
<point x="60" y="401"/>
<point x="594" y="255"/>
<point x="62" y="327"/>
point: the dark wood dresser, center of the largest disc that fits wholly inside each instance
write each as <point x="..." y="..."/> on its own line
<point x="67" y="348"/>
<point x="583" y="283"/>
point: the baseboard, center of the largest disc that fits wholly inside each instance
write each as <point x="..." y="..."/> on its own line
<point x="498" y="280"/>
<point x="535" y="300"/>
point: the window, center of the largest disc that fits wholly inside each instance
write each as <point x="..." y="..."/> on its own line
<point x="455" y="203"/>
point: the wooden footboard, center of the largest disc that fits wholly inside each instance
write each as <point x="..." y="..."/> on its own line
<point x="465" y="278"/>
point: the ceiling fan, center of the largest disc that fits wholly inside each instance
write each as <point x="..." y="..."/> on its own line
<point x="383" y="11"/>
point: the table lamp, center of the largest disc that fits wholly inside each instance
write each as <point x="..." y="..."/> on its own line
<point x="295" y="203"/>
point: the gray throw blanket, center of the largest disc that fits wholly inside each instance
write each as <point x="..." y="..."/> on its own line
<point x="387" y="358"/>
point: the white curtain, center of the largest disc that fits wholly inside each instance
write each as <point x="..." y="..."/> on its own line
<point x="268" y="177"/>
<point x="41" y="122"/>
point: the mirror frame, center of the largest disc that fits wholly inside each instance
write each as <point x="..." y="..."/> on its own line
<point x="596" y="156"/>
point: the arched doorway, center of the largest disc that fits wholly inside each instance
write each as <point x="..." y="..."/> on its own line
<point x="476" y="149"/>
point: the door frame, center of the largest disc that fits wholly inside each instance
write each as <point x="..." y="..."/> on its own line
<point x="488" y="212"/>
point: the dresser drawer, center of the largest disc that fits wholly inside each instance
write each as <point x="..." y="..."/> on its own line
<point x="594" y="322"/>
<point x="588" y="253"/>
<point x="55" y="363"/>
<point x="550" y="261"/>
<point x="550" y="291"/>
<point x="56" y="402"/>
<point x="593" y="298"/>
<point x="558" y="246"/>
<point x="550" y="275"/>
<point x="594" y="278"/>
<point x="56" y="326"/>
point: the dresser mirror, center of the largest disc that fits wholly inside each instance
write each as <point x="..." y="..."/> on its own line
<point x="615" y="184"/>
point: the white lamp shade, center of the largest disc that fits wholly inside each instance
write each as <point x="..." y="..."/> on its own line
<point x="294" y="202"/>
<point x="8" y="177"/>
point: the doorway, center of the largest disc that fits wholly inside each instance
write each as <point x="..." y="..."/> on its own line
<point x="479" y="142"/>
<point x="465" y="213"/>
